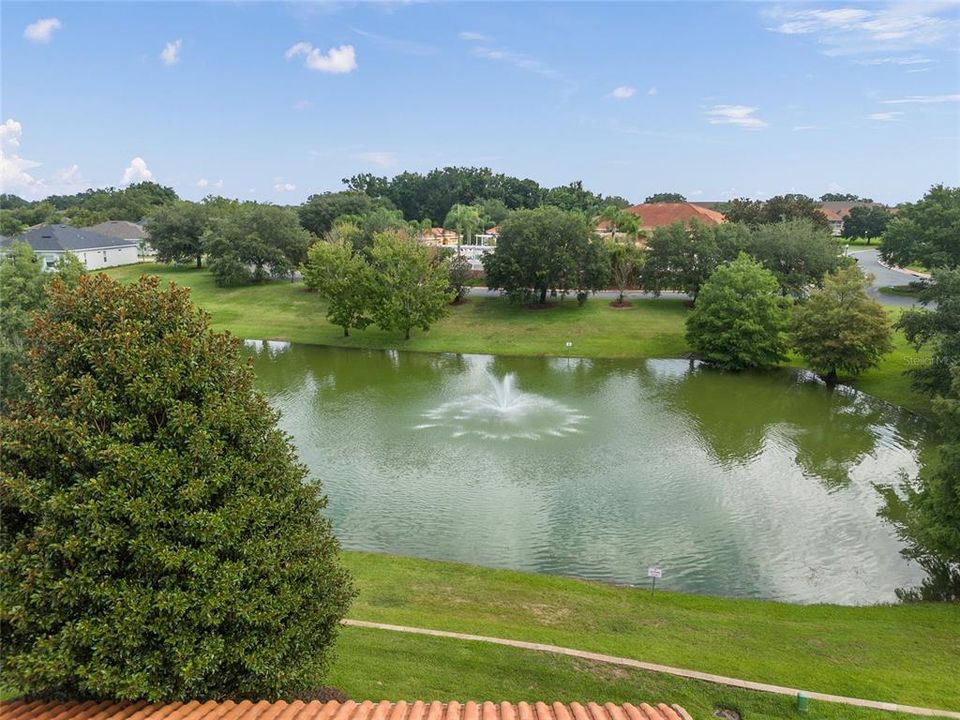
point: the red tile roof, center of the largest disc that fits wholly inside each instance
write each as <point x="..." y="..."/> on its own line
<point x="350" y="710"/>
<point x="654" y="215"/>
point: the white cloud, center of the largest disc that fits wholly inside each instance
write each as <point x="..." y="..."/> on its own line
<point x="923" y="99"/>
<point x="898" y="26"/>
<point x="136" y="172"/>
<point x="337" y="60"/>
<point x="473" y="37"/>
<point x="281" y="186"/>
<point x="42" y="30"/>
<point x="171" y="52"/>
<point x="381" y="158"/>
<point x="652" y="91"/>
<point x="623" y="92"/>
<point x="740" y="115"/>
<point x="204" y="183"/>
<point x="518" y="60"/>
<point x="884" y="116"/>
<point x="14" y="175"/>
<point x="897" y="60"/>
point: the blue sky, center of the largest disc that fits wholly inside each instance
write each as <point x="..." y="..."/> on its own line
<point x="276" y="101"/>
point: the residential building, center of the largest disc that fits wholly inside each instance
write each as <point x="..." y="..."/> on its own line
<point x="94" y="249"/>
<point x="654" y="215"/>
<point x="126" y="230"/>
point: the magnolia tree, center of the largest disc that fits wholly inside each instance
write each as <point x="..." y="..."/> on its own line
<point x="161" y="540"/>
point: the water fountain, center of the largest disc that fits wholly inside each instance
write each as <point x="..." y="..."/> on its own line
<point x="503" y="412"/>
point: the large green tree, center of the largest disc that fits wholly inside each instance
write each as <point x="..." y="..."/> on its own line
<point x="926" y="232"/>
<point x="798" y="252"/>
<point x="626" y="262"/>
<point x="410" y="288"/>
<point x="344" y="279"/>
<point x="866" y="221"/>
<point x="681" y="258"/>
<point x="843" y="197"/>
<point x="161" y="540"/>
<point x="840" y="328"/>
<point x="254" y="242"/>
<point x="779" y="208"/>
<point x="740" y="319"/>
<point x="22" y="286"/>
<point x="319" y="212"/>
<point x="937" y="330"/>
<point x="543" y="250"/>
<point x="177" y="232"/>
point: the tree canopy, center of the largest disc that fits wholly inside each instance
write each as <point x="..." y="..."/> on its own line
<point x="936" y="330"/>
<point x="410" y="289"/>
<point x="665" y="197"/>
<point x="160" y="539"/>
<point x="797" y="251"/>
<point x="177" y="232"/>
<point x="926" y="232"/>
<point x="740" y="318"/>
<point x="866" y="221"/>
<point x="840" y="328"/>
<point x="344" y="279"/>
<point x="682" y="258"/>
<point x="546" y="250"/>
<point x="843" y="197"/>
<point x="791" y="206"/>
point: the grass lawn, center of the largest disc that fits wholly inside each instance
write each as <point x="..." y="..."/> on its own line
<point x="372" y="664"/>
<point x="899" y="653"/>
<point x="861" y="242"/>
<point x="649" y="329"/>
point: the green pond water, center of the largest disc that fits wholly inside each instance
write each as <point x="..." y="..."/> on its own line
<point x="751" y="485"/>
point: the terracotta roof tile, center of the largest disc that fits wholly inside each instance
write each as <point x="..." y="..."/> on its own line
<point x="654" y="215"/>
<point x="350" y="710"/>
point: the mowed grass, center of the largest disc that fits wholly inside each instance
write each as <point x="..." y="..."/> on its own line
<point x="649" y="329"/>
<point x="375" y="665"/>
<point x="907" y="654"/>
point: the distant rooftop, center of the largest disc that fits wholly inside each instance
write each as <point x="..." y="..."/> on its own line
<point x="60" y="238"/>
<point x="654" y="215"/>
<point x="120" y="229"/>
<point x="350" y="710"/>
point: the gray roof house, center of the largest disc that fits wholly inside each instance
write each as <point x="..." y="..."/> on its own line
<point x="94" y="249"/>
<point x="123" y="229"/>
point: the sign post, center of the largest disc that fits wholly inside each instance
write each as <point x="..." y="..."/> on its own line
<point x="654" y="573"/>
<point x="569" y="345"/>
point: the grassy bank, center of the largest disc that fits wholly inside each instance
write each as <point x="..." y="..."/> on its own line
<point x="907" y="654"/>
<point x="648" y="329"/>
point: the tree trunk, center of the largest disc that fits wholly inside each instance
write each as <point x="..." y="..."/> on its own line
<point x="199" y="261"/>
<point x="407" y="336"/>
<point x="831" y="377"/>
<point x="346" y="331"/>
<point x="543" y="296"/>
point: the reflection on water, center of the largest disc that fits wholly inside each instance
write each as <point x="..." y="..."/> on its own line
<point x="749" y="485"/>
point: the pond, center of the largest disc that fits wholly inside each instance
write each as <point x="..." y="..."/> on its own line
<point x="749" y="485"/>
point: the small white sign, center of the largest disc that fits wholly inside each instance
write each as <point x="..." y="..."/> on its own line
<point x="569" y="344"/>
<point x="654" y="572"/>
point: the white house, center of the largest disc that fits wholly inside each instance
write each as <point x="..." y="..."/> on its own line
<point x="94" y="249"/>
<point x="126" y="230"/>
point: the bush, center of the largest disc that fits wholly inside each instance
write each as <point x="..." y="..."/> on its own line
<point x="159" y="541"/>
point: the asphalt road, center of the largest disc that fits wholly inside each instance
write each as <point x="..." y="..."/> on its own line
<point x="868" y="260"/>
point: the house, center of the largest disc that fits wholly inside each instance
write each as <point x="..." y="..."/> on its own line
<point x="835" y="220"/>
<point x="654" y="215"/>
<point x="94" y="249"/>
<point x="439" y="237"/>
<point x="334" y="710"/>
<point x="125" y="230"/>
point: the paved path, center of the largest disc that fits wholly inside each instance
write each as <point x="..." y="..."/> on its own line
<point x="884" y="276"/>
<point x="679" y="672"/>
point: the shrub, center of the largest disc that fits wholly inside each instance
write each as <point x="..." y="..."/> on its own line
<point x="160" y="540"/>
